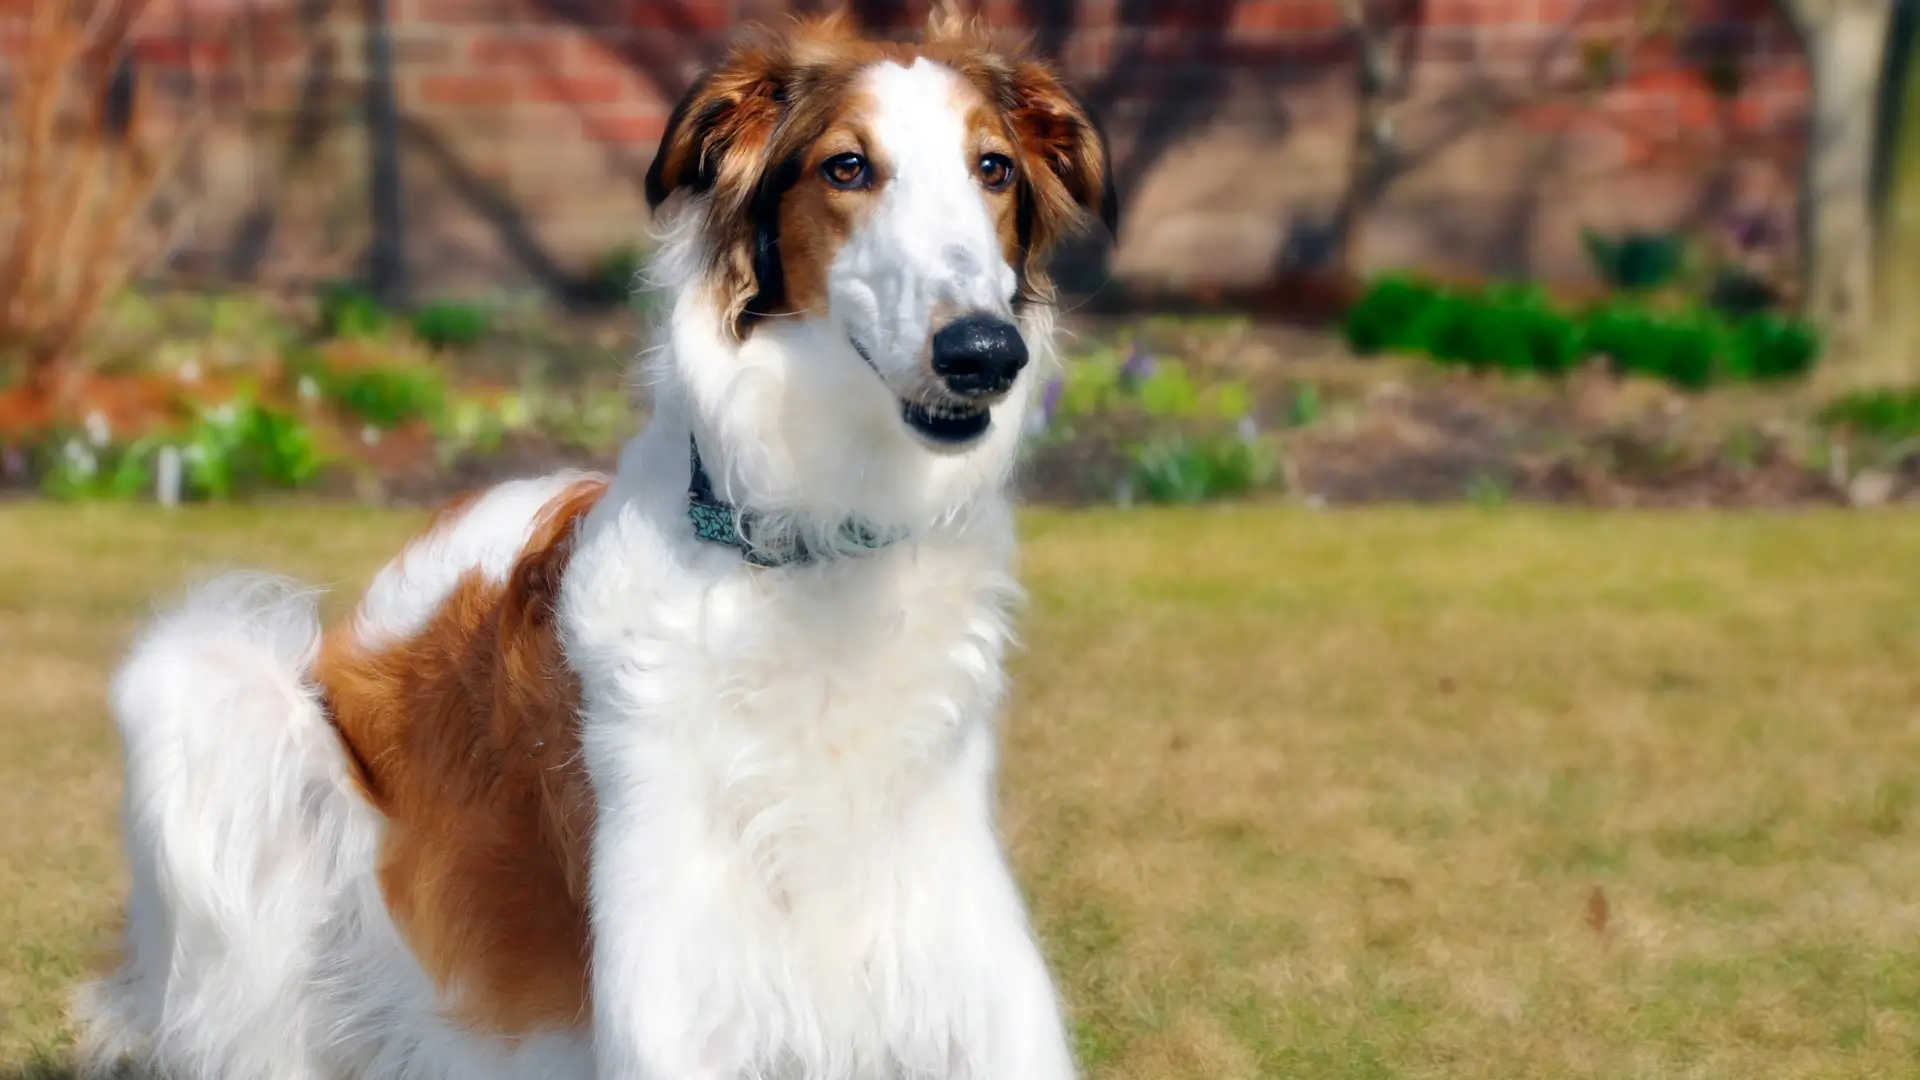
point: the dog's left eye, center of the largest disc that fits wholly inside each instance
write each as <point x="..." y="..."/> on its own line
<point x="996" y="171"/>
<point x="848" y="172"/>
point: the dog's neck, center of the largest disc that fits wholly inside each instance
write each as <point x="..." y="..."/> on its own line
<point x="717" y="521"/>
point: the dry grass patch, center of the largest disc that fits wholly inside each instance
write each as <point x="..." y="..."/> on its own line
<point x="1439" y="793"/>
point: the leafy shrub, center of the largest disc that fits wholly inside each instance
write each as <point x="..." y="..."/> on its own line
<point x="1680" y="350"/>
<point x="389" y="395"/>
<point x="1515" y="331"/>
<point x="1893" y="415"/>
<point x="1183" y="469"/>
<point x="450" y="326"/>
<point x="72" y="468"/>
<point x="1385" y="317"/>
<point x="1772" y="347"/>
<point x="228" y="451"/>
<point x="1123" y="418"/>
<point x="348" y="310"/>
<point x="242" y="447"/>
<point x="1520" y="330"/>
<point x="1636" y="261"/>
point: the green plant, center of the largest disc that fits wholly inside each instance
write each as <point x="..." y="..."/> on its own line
<point x="1884" y="413"/>
<point x="348" y="310"/>
<point x="1774" y="347"/>
<point x="614" y="276"/>
<point x="1488" y="491"/>
<point x="450" y="325"/>
<point x="72" y="468"/>
<point x="470" y="425"/>
<point x="1304" y="407"/>
<point x="1636" y="261"/>
<point x="1183" y="469"/>
<point x="240" y="447"/>
<point x="387" y="396"/>
<point x="1518" y="329"/>
<point x="1678" y="349"/>
<point x="1386" y="315"/>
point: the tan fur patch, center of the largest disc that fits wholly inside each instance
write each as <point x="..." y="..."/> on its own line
<point x="815" y="218"/>
<point x="467" y="740"/>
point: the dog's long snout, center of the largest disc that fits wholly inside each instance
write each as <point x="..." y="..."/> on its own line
<point x="978" y="356"/>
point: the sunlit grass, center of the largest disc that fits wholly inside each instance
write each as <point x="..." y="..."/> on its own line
<point x="1396" y="793"/>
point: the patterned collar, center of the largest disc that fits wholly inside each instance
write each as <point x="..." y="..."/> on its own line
<point x="719" y="522"/>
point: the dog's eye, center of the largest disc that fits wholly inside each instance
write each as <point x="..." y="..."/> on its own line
<point x="848" y="172"/>
<point x="996" y="171"/>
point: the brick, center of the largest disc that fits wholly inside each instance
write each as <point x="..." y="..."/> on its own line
<point x="626" y="128"/>
<point x="518" y="49"/>
<point x="1749" y="113"/>
<point x="463" y="12"/>
<point x="465" y="90"/>
<point x="1088" y="52"/>
<point x="180" y="51"/>
<point x="1694" y="112"/>
<point x="575" y="89"/>
<point x="422" y="47"/>
<point x="1477" y="12"/>
<point x="1286" y="17"/>
<point x="708" y="16"/>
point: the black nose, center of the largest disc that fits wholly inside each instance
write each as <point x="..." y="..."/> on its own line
<point x="978" y="356"/>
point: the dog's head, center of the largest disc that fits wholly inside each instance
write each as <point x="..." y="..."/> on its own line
<point x="862" y="231"/>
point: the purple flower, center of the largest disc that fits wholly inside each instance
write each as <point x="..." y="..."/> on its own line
<point x="1138" y="366"/>
<point x="1752" y="230"/>
<point x="1050" y="397"/>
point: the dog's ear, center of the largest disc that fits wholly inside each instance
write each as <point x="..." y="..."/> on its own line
<point x="718" y="134"/>
<point x="718" y="145"/>
<point x="1069" y="170"/>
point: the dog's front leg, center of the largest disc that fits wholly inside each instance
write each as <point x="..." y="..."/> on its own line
<point x="659" y="960"/>
<point x="1031" y="1036"/>
<point x="1028" y="1036"/>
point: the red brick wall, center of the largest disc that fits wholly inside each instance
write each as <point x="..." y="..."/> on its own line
<point x="527" y="125"/>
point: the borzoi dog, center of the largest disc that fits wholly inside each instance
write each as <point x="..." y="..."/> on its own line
<point x="684" y="774"/>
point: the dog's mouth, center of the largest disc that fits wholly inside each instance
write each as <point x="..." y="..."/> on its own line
<point x="948" y="424"/>
<point x="945" y="422"/>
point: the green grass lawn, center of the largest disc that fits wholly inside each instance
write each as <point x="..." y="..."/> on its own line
<point x="1403" y="793"/>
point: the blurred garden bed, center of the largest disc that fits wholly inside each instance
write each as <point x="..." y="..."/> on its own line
<point x="330" y="396"/>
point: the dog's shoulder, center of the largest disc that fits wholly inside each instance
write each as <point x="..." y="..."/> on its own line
<point x="465" y="734"/>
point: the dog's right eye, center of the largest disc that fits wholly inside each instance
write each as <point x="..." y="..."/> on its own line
<point x="848" y="172"/>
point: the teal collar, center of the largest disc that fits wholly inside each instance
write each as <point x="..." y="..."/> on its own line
<point x="719" y="522"/>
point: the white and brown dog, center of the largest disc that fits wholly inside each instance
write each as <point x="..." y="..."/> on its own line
<point x="686" y="774"/>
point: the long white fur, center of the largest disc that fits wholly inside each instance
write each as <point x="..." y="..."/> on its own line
<point x="795" y="872"/>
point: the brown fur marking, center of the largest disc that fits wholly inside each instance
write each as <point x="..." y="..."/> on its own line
<point x="468" y="737"/>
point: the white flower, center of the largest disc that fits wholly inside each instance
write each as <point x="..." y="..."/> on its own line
<point x="82" y="458"/>
<point x="370" y="435"/>
<point x="99" y="431"/>
<point x="224" y="414"/>
<point x="194" y="453"/>
<point x="308" y="388"/>
<point x="1249" y="430"/>
<point x="190" y="370"/>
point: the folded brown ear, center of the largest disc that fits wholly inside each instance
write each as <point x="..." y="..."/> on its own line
<point x="720" y="128"/>
<point x="1063" y="136"/>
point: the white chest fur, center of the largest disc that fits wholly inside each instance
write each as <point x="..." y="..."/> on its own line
<point x="795" y="871"/>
